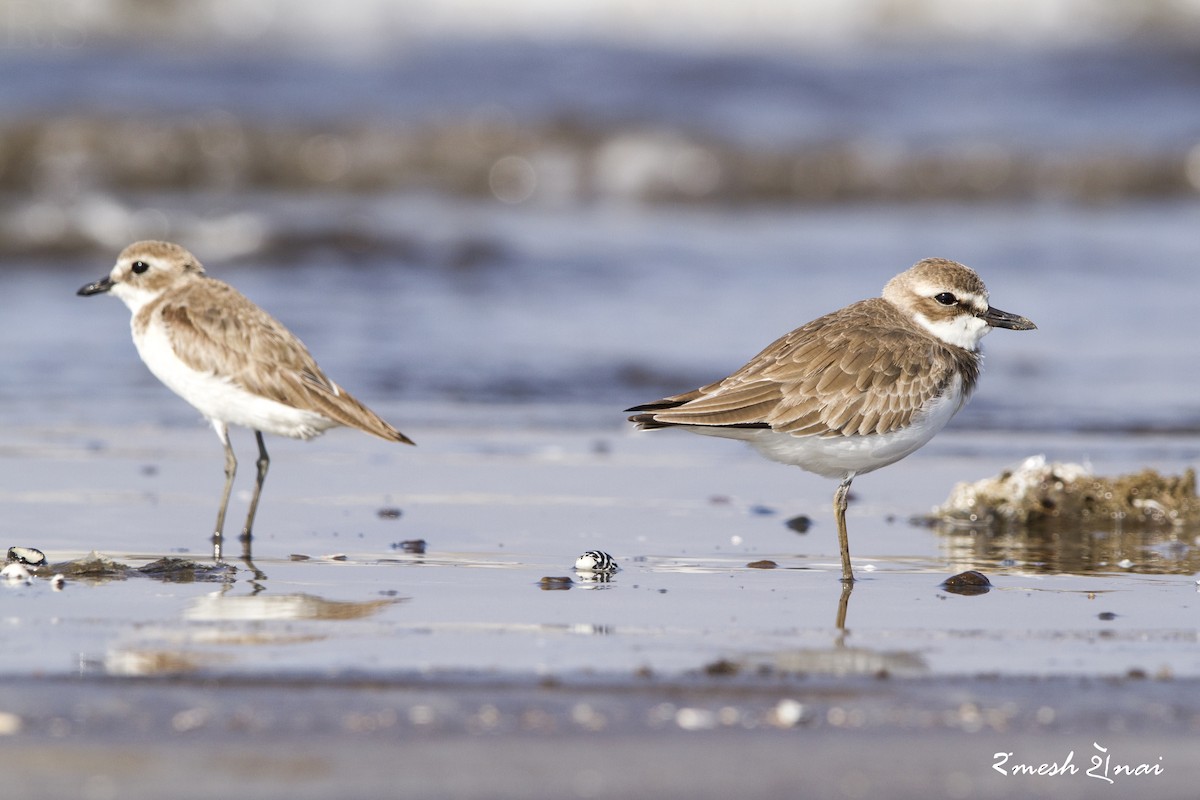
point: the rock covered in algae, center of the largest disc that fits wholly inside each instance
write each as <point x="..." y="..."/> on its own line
<point x="1037" y="492"/>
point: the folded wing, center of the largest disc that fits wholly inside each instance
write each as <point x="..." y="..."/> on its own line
<point x="864" y="370"/>
<point x="231" y="337"/>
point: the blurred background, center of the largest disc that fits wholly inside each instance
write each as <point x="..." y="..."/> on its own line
<point x="467" y="207"/>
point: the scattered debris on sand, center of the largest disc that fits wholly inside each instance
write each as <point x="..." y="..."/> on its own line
<point x="183" y="570"/>
<point x="1038" y="492"/>
<point x="92" y="567"/>
<point x="96" y="568"/>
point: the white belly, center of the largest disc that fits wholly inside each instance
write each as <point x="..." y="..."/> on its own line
<point x="839" y="456"/>
<point x="219" y="399"/>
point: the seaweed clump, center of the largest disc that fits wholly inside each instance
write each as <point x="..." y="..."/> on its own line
<point x="1037" y="493"/>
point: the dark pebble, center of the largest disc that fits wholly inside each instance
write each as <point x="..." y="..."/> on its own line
<point x="552" y="582"/>
<point x="389" y="513"/>
<point x="722" y="667"/>
<point x="800" y="524"/>
<point x="766" y="563"/>
<point x="967" y="583"/>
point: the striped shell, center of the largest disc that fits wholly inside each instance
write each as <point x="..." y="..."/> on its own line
<point x="596" y="561"/>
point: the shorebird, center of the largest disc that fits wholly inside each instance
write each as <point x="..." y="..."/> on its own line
<point x="234" y="362"/>
<point x="857" y="389"/>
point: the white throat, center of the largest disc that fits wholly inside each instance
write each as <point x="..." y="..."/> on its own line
<point x="964" y="330"/>
<point x="131" y="296"/>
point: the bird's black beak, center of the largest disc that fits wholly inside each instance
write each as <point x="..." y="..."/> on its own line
<point x="1002" y="319"/>
<point x="98" y="287"/>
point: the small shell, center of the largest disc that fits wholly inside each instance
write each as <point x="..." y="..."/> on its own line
<point x="15" y="573"/>
<point x="596" y="561"/>
<point x="27" y="555"/>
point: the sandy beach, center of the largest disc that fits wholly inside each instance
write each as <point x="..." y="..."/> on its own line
<point x="338" y="659"/>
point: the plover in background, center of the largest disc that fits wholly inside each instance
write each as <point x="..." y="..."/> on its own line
<point x="230" y="359"/>
<point x="857" y="389"/>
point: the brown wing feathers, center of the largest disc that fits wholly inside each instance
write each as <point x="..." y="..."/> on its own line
<point x="865" y="369"/>
<point x="231" y="336"/>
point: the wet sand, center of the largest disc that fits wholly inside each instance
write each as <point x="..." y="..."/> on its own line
<point x="339" y="660"/>
<point x="468" y="738"/>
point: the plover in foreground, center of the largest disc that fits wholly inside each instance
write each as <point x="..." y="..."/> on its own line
<point x="230" y="359"/>
<point x="857" y="389"/>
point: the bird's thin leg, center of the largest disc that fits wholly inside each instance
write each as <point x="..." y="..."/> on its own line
<point x="263" y="462"/>
<point x="840" y="501"/>
<point x="230" y="471"/>
<point x="843" y="606"/>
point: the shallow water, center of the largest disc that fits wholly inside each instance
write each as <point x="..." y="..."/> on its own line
<point x="500" y="510"/>
<point x="602" y="220"/>
<point x="618" y="308"/>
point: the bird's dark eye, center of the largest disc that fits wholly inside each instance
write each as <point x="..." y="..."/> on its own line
<point x="946" y="299"/>
<point x="139" y="267"/>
